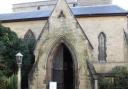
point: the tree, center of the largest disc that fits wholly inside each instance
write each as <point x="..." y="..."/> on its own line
<point x="7" y="39"/>
<point x="10" y="44"/>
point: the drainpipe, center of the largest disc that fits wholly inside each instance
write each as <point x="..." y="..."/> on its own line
<point x="127" y="22"/>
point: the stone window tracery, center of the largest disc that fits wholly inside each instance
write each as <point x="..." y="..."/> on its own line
<point x="29" y="37"/>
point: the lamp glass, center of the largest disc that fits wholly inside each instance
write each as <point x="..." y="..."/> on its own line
<point x="19" y="57"/>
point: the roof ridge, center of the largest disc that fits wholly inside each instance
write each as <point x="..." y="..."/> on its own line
<point x="96" y="6"/>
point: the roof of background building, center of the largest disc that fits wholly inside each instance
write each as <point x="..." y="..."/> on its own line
<point x="105" y="10"/>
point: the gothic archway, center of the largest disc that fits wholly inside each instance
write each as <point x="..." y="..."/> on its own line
<point x="62" y="66"/>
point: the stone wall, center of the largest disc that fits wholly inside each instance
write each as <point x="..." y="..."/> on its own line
<point x="62" y="28"/>
<point x="22" y="27"/>
<point x="93" y="2"/>
<point x="92" y="26"/>
<point x="39" y="5"/>
<point x="113" y="27"/>
<point x="50" y="4"/>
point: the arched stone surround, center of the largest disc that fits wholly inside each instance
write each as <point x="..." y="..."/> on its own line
<point x="61" y="30"/>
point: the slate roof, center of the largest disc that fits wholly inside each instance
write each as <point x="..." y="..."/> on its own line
<point x="77" y="11"/>
<point x="106" y="9"/>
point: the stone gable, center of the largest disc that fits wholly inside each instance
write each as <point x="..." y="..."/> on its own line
<point x="61" y="27"/>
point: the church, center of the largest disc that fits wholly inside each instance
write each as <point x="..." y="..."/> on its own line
<point x="75" y="40"/>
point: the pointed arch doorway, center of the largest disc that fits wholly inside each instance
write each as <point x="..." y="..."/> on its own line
<point x="62" y="67"/>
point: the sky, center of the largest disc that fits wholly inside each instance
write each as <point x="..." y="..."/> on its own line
<point x="122" y="3"/>
<point x="6" y="5"/>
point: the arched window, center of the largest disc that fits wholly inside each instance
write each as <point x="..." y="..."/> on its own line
<point x="29" y="34"/>
<point x="29" y="38"/>
<point x="102" y="47"/>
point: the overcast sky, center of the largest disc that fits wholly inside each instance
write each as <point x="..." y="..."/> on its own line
<point x="6" y="5"/>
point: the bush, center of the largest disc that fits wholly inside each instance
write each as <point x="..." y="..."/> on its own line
<point x="118" y="81"/>
<point x="11" y="82"/>
<point x="120" y="77"/>
<point x="10" y="45"/>
<point x="106" y="83"/>
<point x="2" y="81"/>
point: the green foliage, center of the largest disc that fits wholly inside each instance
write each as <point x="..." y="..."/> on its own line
<point x="28" y="61"/>
<point x="7" y="36"/>
<point x="1" y="74"/>
<point x="121" y="77"/>
<point x="2" y="80"/>
<point x="2" y="84"/>
<point x="106" y="83"/>
<point x="11" y="82"/>
<point x="7" y="40"/>
<point x="10" y="44"/>
<point x="8" y="83"/>
<point x="118" y="81"/>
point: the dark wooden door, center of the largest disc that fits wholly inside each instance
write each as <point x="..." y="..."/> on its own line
<point x="62" y="71"/>
<point x="58" y="68"/>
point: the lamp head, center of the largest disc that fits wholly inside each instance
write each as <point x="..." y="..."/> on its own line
<point x="19" y="57"/>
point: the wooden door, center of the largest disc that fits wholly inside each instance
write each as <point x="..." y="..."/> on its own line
<point x="62" y="71"/>
<point x="58" y="74"/>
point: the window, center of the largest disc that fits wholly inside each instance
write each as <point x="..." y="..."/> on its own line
<point x="29" y="35"/>
<point x="38" y="7"/>
<point x="61" y="15"/>
<point x="29" y="38"/>
<point x="102" y="47"/>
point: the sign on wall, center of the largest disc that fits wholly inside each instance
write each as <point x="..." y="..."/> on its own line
<point x="53" y="85"/>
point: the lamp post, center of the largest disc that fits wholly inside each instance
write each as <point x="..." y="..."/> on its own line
<point x="19" y="57"/>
